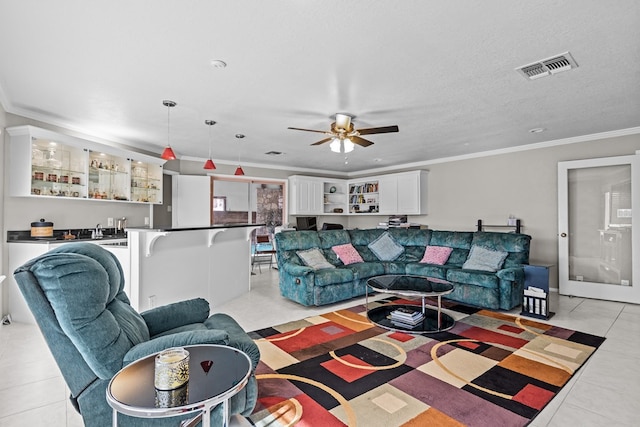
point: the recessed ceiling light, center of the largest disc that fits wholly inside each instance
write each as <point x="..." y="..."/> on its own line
<point x="216" y="63"/>
<point x="536" y="130"/>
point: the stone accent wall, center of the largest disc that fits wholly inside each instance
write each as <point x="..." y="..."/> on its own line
<point x="269" y="201"/>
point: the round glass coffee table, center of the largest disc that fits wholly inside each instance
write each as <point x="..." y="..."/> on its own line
<point x="415" y="319"/>
<point x="216" y="373"/>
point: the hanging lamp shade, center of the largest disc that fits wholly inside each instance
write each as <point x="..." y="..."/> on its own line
<point x="167" y="153"/>
<point x="239" y="170"/>
<point x="209" y="165"/>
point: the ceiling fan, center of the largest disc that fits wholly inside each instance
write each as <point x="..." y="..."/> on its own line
<point x="343" y="129"/>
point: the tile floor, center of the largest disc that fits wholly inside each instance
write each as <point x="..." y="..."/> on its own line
<point x="603" y="393"/>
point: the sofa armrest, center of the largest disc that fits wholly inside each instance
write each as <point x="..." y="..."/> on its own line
<point x="296" y="270"/>
<point x="180" y="339"/>
<point x="514" y="274"/>
<point x="170" y="316"/>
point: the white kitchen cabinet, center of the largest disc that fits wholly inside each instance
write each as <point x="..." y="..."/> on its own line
<point x="306" y="195"/>
<point x="403" y="193"/>
<point x="48" y="164"/>
<point x="191" y="204"/>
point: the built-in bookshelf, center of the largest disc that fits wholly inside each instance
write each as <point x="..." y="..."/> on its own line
<point x="364" y="197"/>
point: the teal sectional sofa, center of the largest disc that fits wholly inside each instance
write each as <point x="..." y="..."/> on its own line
<point x="335" y="281"/>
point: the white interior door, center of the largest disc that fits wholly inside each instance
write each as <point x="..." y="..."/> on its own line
<point x="598" y="228"/>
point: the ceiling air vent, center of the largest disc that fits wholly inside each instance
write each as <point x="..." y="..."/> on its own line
<point x="546" y="67"/>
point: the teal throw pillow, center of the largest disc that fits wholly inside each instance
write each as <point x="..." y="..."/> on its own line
<point x="314" y="259"/>
<point x="386" y="248"/>
<point x="485" y="259"/>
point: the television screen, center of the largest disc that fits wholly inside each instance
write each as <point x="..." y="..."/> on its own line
<point x="306" y="223"/>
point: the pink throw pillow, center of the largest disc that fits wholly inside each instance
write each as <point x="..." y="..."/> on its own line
<point x="436" y="255"/>
<point x="347" y="254"/>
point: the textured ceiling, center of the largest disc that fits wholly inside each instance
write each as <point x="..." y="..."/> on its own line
<point x="443" y="71"/>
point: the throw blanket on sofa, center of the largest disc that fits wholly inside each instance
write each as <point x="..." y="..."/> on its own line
<point x="485" y="267"/>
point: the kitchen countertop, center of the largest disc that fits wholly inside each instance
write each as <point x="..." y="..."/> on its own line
<point x="109" y="237"/>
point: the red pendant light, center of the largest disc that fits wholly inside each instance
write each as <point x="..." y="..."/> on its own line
<point x="209" y="165"/>
<point x="167" y="153"/>
<point x="239" y="170"/>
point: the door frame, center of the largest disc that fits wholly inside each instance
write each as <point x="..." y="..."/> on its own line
<point x="594" y="289"/>
<point x="252" y="180"/>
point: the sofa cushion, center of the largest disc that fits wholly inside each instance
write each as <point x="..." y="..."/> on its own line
<point x="385" y="248"/>
<point x="485" y="259"/>
<point x="478" y="278"/>
<point x="364" y="270"/>
<point x="517" y="245"/>
<point x="410" y="236"/>
<point x="297" y="240"/>
<point x="436" y="255"/>
<point x="314" y="259"/>
<point x="460" y="241"/>
<point x="331" y="238"/>
<point x="347" y="254"/>
<point x="333" y="276"/>
<point x="428" y="270"/>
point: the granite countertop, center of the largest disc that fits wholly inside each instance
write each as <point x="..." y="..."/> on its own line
<point x="109" y="234"/>
<point x="81" y="234"/>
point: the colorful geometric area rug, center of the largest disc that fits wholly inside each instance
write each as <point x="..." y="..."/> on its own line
<point x="338" y="369"/>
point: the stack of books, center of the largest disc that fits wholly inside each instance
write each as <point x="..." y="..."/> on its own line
<point x="406" y="318"/>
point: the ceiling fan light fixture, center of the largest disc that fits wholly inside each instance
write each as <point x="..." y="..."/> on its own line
<point x="341" y="145"/>
<point x="343" y="121"/>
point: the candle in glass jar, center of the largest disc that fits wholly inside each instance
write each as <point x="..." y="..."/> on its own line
<point x="171" y="368"/>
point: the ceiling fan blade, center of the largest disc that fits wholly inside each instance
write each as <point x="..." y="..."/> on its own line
<point x="311" y="130"/>
<point x="360" y="141"/>
<point x="322" y="141"/>
<point x="384" y="129"/>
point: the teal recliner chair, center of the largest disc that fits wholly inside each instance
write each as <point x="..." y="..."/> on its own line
<point x="76" y="295"/>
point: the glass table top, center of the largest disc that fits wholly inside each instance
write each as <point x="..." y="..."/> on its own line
<point x="215" y="371"/>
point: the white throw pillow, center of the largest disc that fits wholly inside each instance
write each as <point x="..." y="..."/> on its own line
<point x="485" y="259"/>
<point x="313" y="258"/>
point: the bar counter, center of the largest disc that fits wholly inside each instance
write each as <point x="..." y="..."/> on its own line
<point x="173" y="264"/>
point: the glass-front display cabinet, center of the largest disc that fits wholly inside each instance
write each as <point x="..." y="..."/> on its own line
<point x="146" y="182"/>
<point x="57" y="169"/>
<point x="48" y="164"/>
<point x="108" y="176"/>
